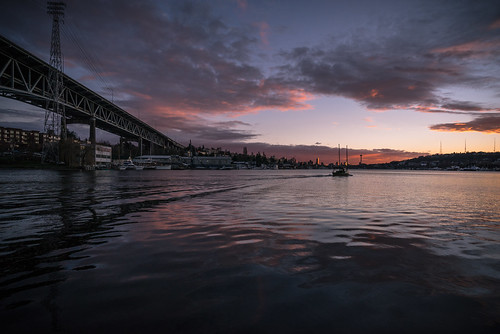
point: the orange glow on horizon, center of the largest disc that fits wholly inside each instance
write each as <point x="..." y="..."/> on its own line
<point x="464" y="129"/>
<point x="368" y="157"/>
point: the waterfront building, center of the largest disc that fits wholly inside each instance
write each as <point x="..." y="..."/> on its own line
<point x="163" y="161"/>
<point x="15" y="139"/>
<point x="103" y="156"/>
<point x="159" y="159"/>
<point x="52" y="138"/>
<point x="211" y="162"/>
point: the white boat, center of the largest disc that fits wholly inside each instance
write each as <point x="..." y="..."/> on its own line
<point x="129" y="165"/>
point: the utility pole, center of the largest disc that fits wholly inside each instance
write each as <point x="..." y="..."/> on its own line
<point x="55" y="115"/>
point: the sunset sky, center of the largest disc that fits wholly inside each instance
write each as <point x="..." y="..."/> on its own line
<point x="392" y="79"/>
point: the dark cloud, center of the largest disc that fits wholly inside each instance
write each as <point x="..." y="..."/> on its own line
<point x="27" y="24"/>
<point x="157" y="59"/>
<point x="211" y="134"/>
<point x="455" y="107"/>
<point x="489" y="123"/>
<point x="184" y="128"/>
<point x="20" y="115"/>
<point x="177" y="55"/>
<point x="465" y="106"/>
<point x="231" y="124"/>
<point x="182" y="56"/>
<point x="407" y="60"/>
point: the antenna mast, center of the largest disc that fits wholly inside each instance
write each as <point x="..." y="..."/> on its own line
<point x="55" y="115"/>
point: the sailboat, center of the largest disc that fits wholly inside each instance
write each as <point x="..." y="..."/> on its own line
<point x="342" y="171"/>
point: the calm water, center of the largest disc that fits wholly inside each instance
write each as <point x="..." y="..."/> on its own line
<point x="249" y="251"/>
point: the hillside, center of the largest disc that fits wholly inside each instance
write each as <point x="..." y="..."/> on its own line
<point x="453" y="161"/>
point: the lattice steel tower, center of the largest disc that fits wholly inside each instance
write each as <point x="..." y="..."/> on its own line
<point x="55" y="115"/>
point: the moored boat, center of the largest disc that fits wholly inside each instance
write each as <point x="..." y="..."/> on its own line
<point x="129" y="165"/>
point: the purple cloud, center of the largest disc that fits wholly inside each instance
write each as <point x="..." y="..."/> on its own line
<point x="489" y="123"/>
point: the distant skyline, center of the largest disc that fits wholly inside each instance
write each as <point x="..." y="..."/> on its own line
<point x="391" y="79"/>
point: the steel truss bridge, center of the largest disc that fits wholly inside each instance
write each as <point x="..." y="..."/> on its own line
<point x="24" y="77"/>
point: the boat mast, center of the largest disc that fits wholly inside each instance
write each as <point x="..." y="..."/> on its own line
<point x="339" y="156"/>
<point x="346" y="159"/>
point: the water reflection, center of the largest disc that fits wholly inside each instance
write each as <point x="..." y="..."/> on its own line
<point x="253" y="251"/>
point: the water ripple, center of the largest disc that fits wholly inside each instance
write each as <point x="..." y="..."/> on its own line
<point x="188" y="243"/>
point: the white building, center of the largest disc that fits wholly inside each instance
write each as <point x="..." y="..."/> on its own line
<point x="102" y="155"/>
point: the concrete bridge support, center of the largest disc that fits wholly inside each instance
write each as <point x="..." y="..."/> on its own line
<point x="91" y="160"/>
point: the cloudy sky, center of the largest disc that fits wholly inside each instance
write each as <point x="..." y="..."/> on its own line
<point x="392" y="79"/>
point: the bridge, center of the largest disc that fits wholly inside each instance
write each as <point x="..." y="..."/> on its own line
<point x="25" y="77"/>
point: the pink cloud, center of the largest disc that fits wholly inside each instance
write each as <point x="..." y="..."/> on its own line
<point x="263" y="32"/>
<point x="495" y="25"/>
<point x="474" y="49"/>
<point x="242" y="4"/>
